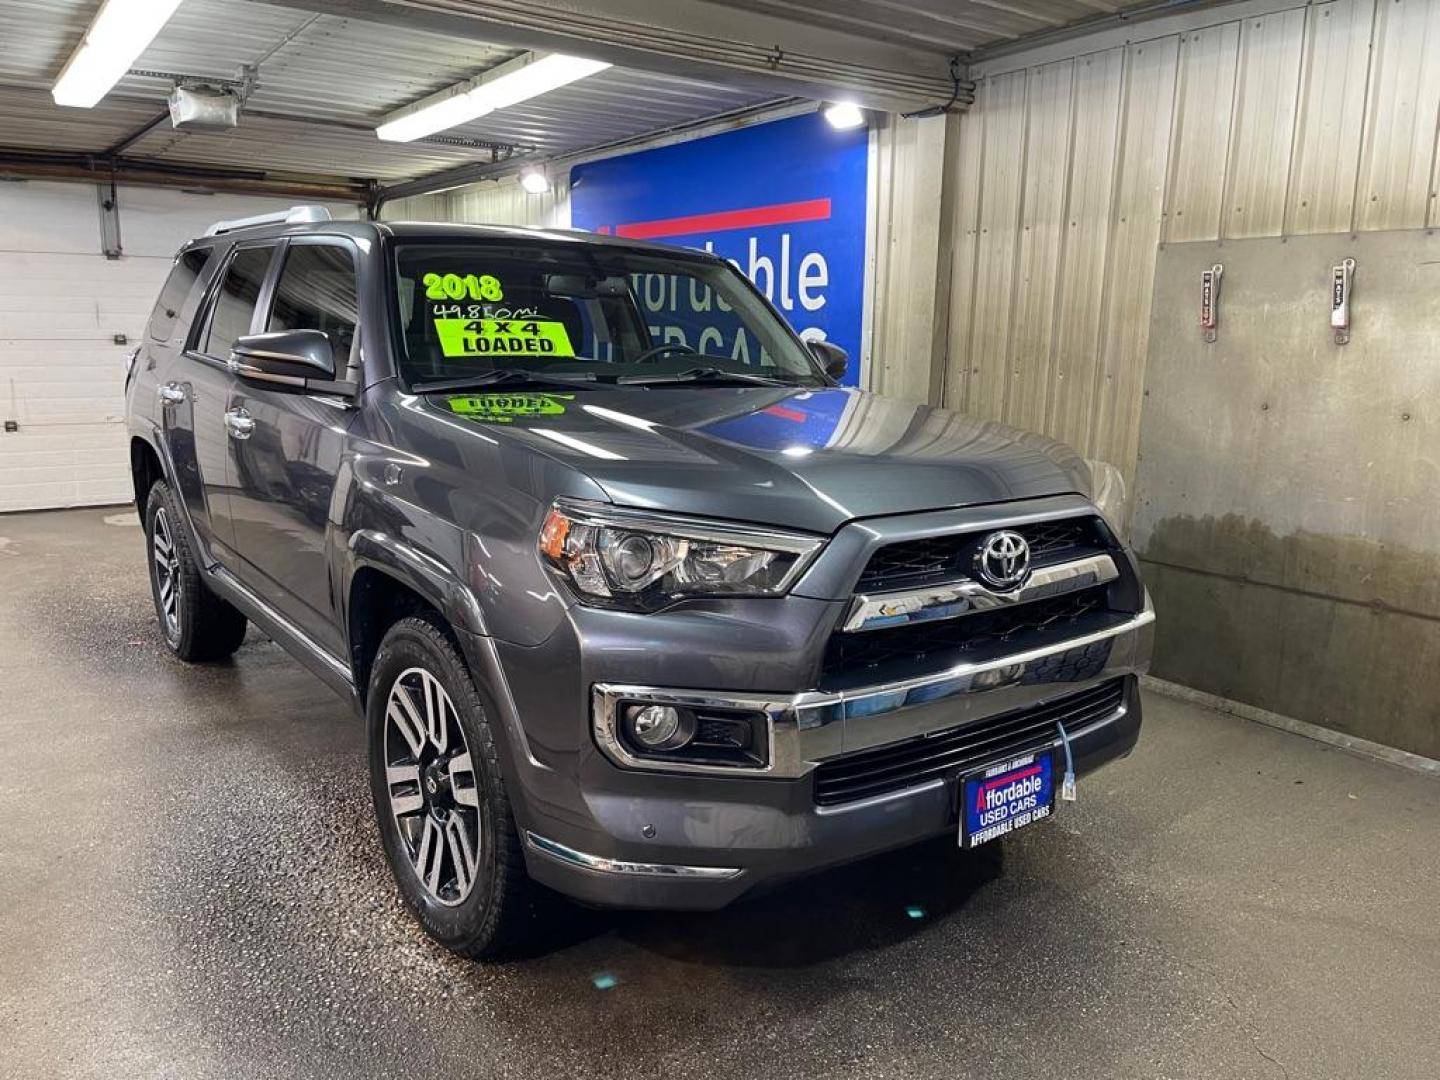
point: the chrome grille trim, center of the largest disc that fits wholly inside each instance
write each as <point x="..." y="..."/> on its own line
<point x="964" y="596"/>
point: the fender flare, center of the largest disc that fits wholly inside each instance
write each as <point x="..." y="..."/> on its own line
<point x="425" y="575"/>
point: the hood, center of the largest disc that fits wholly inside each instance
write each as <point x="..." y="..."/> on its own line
<point x="801" y="459"/>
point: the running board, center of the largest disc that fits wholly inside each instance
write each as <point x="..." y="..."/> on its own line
<point x="333" y="671"/>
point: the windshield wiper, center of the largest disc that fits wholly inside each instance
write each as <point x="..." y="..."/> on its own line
<point x="498" y="376"/>
<point x="705" y="375"/>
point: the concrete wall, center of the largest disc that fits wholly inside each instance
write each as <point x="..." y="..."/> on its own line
<point x="1288" y="518"/>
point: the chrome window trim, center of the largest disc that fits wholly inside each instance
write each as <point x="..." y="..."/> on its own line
<point x="600" y="864"/>
<point x="955" y="599"/>
<point x="793" y="718"/>
<point x="249" y="371"/>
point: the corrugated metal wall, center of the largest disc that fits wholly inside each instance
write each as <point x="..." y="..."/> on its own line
<point x="910" y="215"/>
<point x="416" y="208"/>
<point x="1266" y="121"/>
<point x="502" y="202"/>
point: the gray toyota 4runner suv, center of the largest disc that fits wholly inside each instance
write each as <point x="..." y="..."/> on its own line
<point x="638" y="604"/>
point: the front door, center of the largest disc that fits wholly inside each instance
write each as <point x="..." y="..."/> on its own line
<point x="285" y="467"/>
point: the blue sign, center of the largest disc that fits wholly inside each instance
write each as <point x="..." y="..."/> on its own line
<point x="784" y="202"/>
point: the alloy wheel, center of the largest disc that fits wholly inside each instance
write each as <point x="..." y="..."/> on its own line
<point x="430" y="778"/>
<point x="167" y="573"/>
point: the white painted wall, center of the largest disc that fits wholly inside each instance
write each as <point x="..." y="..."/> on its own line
<point x="61" y="304"/>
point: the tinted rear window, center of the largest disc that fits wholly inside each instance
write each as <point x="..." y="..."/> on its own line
<point x="178" y="287"/>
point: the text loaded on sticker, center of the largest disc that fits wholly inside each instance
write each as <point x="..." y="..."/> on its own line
<point x="503" y="408"/>
<point x="503" y="337"/>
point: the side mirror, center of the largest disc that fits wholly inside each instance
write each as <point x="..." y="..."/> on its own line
<point x="297" y="360"/>
<point x="832" y="358"/>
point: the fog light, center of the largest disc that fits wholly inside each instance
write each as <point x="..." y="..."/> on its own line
<point x="659" y="727"/>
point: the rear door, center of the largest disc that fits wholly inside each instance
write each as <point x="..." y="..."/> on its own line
<point x="195" y="390"/>
<point x="285" y="469"/>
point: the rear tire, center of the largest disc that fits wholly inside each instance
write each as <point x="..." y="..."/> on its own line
<point x="195" y="623"/>
<point x="440" y="800"/>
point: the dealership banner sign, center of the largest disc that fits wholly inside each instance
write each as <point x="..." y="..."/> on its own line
<point x="783" y="201"/>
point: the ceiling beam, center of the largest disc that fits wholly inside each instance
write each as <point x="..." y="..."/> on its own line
<point x="697" y="39"/>
<point x="17" y="164"/>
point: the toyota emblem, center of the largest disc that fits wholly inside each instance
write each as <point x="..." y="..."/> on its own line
<point x="1003" y="561"/>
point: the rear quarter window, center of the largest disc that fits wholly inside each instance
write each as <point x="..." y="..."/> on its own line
<point x="177" y="289"/>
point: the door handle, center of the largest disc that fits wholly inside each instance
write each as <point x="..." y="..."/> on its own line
<point x="239" y="423"/>
<point x="170" y="393"/>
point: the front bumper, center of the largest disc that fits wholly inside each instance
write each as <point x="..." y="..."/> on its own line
<point x="776" y="837"/>
<point x="625" y="837"/>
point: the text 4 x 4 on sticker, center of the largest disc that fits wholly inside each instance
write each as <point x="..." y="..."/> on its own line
<point x="503" y="337"/>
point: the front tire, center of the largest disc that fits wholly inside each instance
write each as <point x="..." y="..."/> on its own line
<point x="195" y="623"/>
<point x="440" y="800"/>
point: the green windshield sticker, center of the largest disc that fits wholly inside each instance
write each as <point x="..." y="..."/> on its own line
<point x="503" y="408"/>
<point x="467" y="287"/>
<point x="502" y="337"/>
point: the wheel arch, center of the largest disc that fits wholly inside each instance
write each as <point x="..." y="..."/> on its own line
<point x="389" y="581"/>
<point x="146" y="467"/>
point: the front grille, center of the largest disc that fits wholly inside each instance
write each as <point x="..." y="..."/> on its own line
<point x="911" y="563"/>
<point x="947" y="754"/>
<point x="865" y="657"/>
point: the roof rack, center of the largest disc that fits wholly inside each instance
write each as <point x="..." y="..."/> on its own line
<point x="295" y="215"/>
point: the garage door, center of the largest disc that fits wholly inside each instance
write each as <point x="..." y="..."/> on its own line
<point x="68" y="317"/>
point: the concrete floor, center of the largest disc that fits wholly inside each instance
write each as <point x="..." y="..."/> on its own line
<point x="191" y="886"/>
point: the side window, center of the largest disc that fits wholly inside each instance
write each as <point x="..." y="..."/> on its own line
<point x="234" y="304"/>
<point x="178" y="286"/>
<point x="317" y="291"/>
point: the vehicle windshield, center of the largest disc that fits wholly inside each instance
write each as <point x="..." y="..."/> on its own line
<point x="470" y="308"/>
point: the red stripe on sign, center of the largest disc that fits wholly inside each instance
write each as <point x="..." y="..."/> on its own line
<point x="750" y="218"/>
<point x="1000" y="781"/>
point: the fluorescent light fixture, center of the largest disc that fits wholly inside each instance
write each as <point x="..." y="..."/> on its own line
<point x="509" y="84"/>
<point x="843" y="115"/>
<point x="535" y="181"/>
<point x="118" y="34"/>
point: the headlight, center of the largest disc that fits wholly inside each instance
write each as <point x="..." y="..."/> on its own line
<point x="642" y="562"/>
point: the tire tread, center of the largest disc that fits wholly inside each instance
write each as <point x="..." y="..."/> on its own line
<point x="211" y="628"/>
<point x="510" y="917"/>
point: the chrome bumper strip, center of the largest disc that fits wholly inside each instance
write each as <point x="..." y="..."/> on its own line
<point x="958" y="598"/>
<point x="571" y="857"/>
<point x="816" y="724"/>
<point x="961" y="678"/>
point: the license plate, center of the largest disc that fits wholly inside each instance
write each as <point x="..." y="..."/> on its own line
<point x="1006" y="796"/>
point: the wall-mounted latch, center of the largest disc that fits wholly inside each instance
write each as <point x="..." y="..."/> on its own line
<point x="1210" y="302"/>
<point x="1342" y="279"/>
